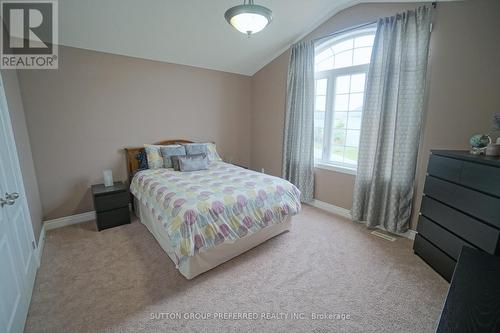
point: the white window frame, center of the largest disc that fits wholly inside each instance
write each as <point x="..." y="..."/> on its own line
<point x="331" y="76"/>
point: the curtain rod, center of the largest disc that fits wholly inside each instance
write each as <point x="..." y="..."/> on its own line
<point x="345" y="30"/>
<point x="433" y="4"/>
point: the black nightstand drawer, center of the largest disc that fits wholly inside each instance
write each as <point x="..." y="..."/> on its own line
<point x="113" y="218"/>
<point x="111" y="201"/>
<point x="438" y="260"/>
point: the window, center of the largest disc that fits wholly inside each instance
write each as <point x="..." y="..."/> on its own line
<point x="341" y="65"/>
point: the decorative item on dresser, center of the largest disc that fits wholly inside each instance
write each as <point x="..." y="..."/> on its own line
<point x="478" y="143"/>
<point x="460" y="207"/>
<point x="111" y="205"/>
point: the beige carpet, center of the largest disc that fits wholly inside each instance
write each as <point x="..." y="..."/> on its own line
<point x="118" y="279"/>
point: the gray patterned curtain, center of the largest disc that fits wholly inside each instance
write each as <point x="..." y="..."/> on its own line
<point x="391" y="124"/>
<point x="298" y="153"/>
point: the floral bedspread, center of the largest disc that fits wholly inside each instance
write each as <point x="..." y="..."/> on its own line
<point x="203" y="209"/>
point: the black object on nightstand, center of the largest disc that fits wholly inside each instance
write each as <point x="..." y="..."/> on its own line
<point x="111" y="205"/>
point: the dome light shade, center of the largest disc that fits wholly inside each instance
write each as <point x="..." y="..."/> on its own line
<point x="249" y="18"/>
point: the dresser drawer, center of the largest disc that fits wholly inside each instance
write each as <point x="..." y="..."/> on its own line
<point x="444" y="167"/>
<point x="484" y="178"/>
<point x="111" y="201"/>
<point x="482" y="206"/>
<point x="436" y="258"/>
<point x="112" y="218"/>
<point x="474" y="231"/>
<point x="445" y="240"/>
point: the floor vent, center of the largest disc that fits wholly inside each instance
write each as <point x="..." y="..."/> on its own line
<point x="384" y="236"/>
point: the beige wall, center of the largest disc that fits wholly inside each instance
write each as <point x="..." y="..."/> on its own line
<point x="268" y="115"/>
<point x="464" y="89"/>
<point x="23" y="147"/>
<point x="82" y="115"/>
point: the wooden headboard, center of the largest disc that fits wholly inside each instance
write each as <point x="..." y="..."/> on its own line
<point x="131" y="152"/>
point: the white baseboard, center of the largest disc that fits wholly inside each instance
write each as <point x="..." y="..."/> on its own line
<point x="72" y="219"/>
<point x="69" y="220"/>
<point x="332" y="208"/>
<point x="39" y="247"/>
<point x="59" y="223"/>
<point x="347" y="214"/>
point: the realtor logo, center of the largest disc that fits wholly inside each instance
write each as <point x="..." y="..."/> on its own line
<point x="29" y="35"/>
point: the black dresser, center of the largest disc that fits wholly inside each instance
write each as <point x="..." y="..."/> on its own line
<point x="460" y="207"/>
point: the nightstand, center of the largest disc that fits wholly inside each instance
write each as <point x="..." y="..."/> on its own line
<point x="111" y="205"/>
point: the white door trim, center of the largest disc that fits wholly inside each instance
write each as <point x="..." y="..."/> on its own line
<point x="40" y="246"/>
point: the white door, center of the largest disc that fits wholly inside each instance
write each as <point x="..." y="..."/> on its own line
<point x="17" y="256"/>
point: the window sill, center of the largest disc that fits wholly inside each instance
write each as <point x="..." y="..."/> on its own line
<point x="324" y="166"/>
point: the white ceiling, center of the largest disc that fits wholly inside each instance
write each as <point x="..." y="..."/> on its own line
<point x="190" y="32"/>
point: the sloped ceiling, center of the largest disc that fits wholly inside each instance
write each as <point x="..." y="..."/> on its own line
<point x="190" y="32"/>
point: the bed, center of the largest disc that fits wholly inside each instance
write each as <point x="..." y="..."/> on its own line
<point x="204" y="218"/>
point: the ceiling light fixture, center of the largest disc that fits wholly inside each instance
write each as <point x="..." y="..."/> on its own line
<point x="249" y="18"/>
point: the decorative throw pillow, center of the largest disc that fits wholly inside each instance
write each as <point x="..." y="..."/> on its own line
<point x="212" y="152"/>
<point x="196" y="148"/>
<point x="208" y="148"/>
<point x="153" y="154"/>
<point x="194" y="162"/>
<point x="175" y="162"/>
<point x="171" y="150"/>
<point x="142" y="159"/>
